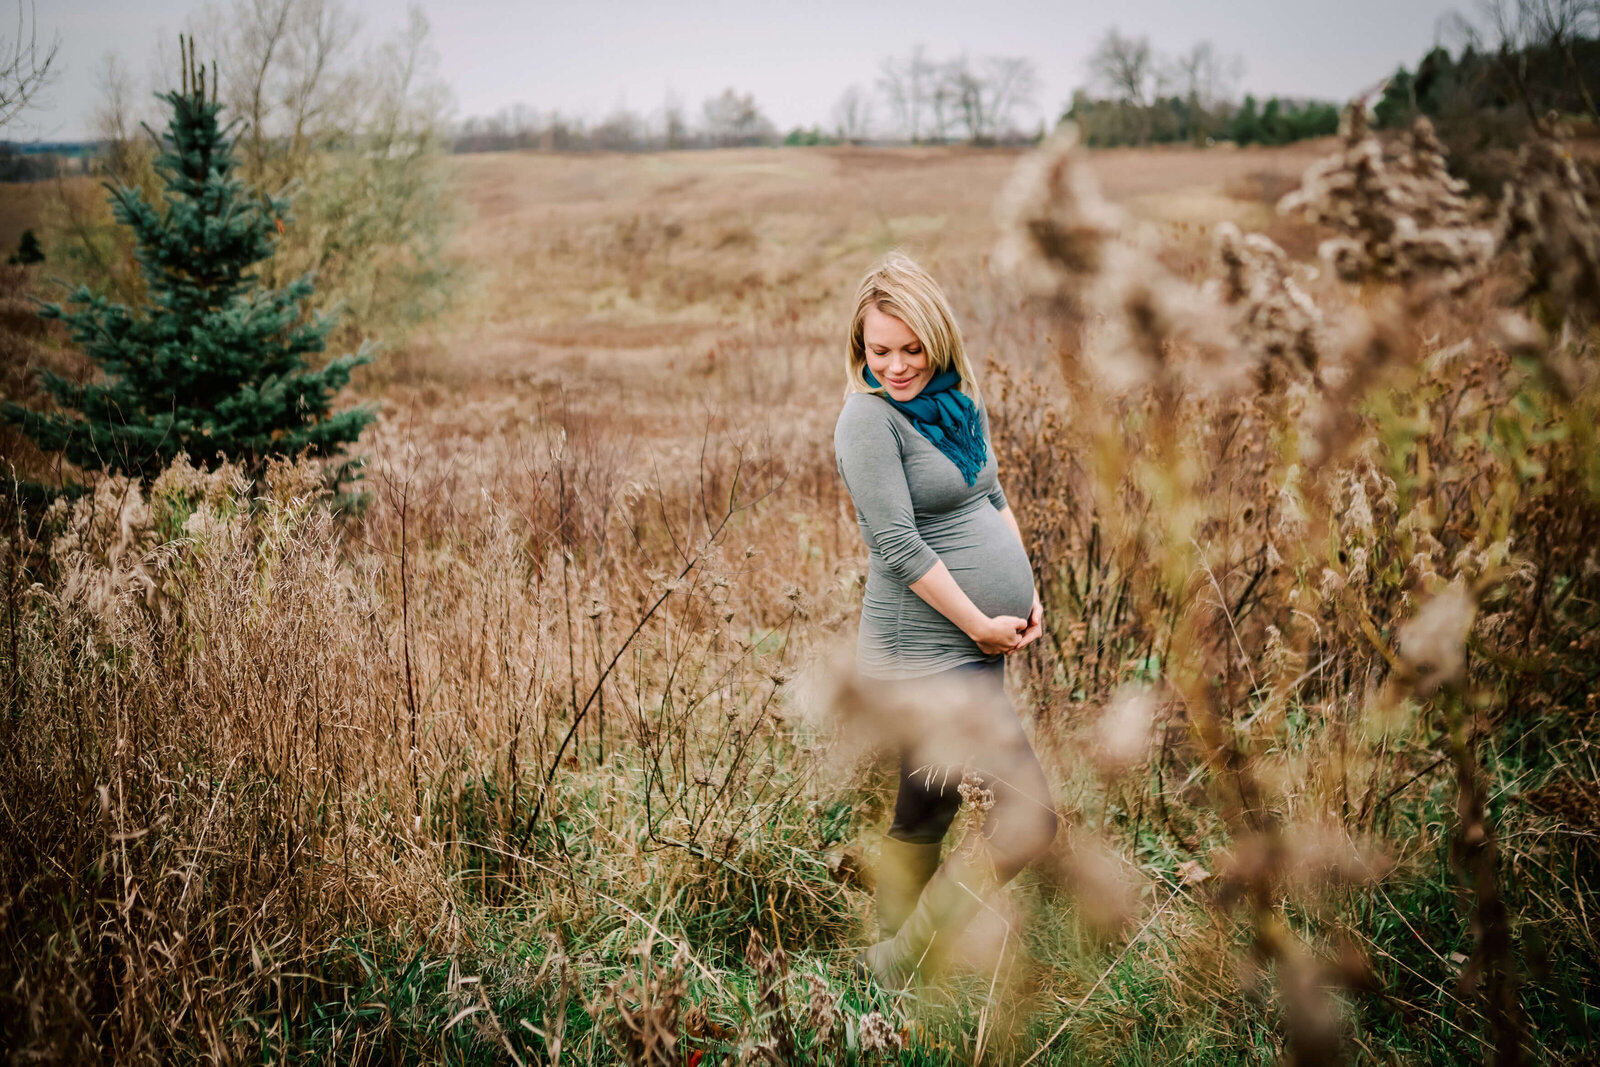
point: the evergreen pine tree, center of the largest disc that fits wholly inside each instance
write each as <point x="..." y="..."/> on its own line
<point x="28" y="250"/>
<point x="1246" y="125"/>
<point x="1397" y="106"/>
<point x="214" y="364"/>
<point x="1272" y="123"/>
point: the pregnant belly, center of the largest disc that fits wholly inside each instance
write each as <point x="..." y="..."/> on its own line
<point x="989" y="564"/>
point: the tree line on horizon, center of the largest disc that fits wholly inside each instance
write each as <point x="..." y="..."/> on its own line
<point x="1518" y="61"/>
<point x="1134" y="96"/>
<point x="916" y="99"/>
<point x="1138" y="96"/>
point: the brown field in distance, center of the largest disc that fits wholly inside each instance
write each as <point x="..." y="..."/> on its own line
<point x="630" y="273"/>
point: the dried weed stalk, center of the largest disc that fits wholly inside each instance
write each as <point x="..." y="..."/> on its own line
<point x="1277" y="542"/>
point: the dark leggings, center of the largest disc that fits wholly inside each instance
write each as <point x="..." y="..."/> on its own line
<point x="1022" y="822"/>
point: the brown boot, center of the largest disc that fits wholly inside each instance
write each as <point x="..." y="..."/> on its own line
<point x="904" y="867"/>
<point x="957" y="891"/>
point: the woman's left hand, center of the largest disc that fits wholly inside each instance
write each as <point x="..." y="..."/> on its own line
<point x="1035" y="624"/>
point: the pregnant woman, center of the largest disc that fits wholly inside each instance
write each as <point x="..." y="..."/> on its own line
<point x="949" y="594"/>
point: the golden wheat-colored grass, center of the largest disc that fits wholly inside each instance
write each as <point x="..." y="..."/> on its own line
<point x="623" y="268"/>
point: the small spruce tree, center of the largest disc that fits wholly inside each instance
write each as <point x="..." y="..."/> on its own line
<point x="28" y="250"/>
<point x="214" y="364"/>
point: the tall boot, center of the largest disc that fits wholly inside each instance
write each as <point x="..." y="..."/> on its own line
<point x="904" y="867"/>
<point x="958" y="890"/>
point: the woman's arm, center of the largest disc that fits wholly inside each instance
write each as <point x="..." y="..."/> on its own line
<point x="999" y="634"/>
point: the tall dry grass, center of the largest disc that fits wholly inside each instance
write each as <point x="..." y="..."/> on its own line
<point x="504" y="766"/>
<point x="294" y="728"/>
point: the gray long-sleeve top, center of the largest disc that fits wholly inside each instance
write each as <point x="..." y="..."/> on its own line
<point x="914" y="509"/>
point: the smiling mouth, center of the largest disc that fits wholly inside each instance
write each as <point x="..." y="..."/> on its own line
<point x="902" y="382"/>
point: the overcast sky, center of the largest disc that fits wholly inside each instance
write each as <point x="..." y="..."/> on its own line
<point x="587" y="57"/>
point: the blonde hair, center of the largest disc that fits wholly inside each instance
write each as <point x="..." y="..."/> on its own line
<point x="898" y="286"/>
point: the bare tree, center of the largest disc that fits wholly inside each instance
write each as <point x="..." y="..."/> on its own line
<point x="1545" y="22"/>
<point x="250" y="39"/>
<point x="1206" y="78"/>
<point x="1013" y="80"/>
<point x="852" y="115"/>
<point x="674" y="124"/>
<point x="732" y="119"/>
<point x="117" y="121"/>
<point x="908" y="86"/>
<point x="1556" y="24"/>
<point x="944" y="99"/>
<point x="408" y="102"/>
<point x="24" y="64"/>
<point x="1123" y="66"/>
<point x="291" y="71"/>
<point x="1514" y="28"/>
<point x="620" y="131"/>
<point x="986" y="97"/>
<point x="319" y="79"/>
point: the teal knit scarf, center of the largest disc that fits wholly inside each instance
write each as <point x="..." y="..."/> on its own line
<point x="947" y="417"/>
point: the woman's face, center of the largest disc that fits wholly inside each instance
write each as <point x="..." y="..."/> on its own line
<point x="894" y="354"/>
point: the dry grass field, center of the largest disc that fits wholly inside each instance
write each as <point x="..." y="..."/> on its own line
<point x="624" y="269"/>
<point x="533" y="756"/>
<point x="23" y="207"/>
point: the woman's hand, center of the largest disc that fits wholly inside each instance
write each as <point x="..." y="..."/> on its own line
<point x="994" y="636"/>
<point x="1035" y="624"/>
<point x="998" y="635"/>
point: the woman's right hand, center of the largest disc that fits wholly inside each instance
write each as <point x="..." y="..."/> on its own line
<point x="999" y="634"/>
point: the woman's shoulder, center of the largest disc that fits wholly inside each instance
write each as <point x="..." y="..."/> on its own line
<point x="864" y="418"/>
<point x="864" y="408"/>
